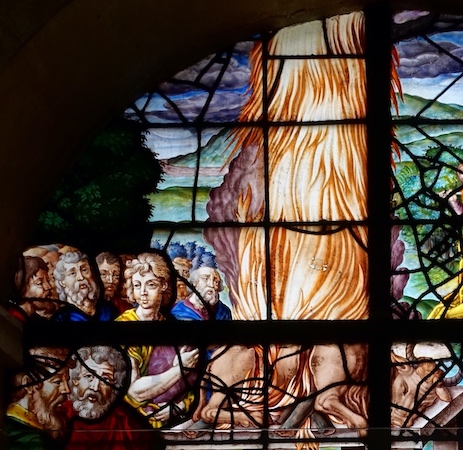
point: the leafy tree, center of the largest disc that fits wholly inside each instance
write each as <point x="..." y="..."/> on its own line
<point x="101" y="203"/>
<point x="421" y="183"/>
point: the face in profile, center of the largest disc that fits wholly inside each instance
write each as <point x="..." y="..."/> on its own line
<point x="110" y="276"/>
<point x="92" y="391"/>
<point x="148" y="290"/>
<point x="38" y="285"/>
<point x="182" y="267"/>
<point x="51" y="258"/>
<point x="46" y="401"/>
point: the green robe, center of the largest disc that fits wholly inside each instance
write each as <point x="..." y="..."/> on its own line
<point x="24" y="434"/>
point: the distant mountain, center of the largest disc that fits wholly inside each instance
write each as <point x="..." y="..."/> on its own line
<point x="417" y="146"/>
<point x="213" y="154"/>
<point x="216" y="152"/>
<point x="412" y="105"/>
<point x="419" y="139"/>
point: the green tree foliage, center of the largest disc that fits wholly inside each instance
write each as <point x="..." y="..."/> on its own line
<point x="432" y="245"/>
<point x="101" y="203"/>
<point x="421" y="182"/>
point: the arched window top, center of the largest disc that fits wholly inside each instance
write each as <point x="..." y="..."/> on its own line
<point x="250" y="317"/>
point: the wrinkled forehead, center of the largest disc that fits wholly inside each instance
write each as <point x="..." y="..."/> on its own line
<point x="40" y="274"/>
<point x="102" y="369"/>
<point x="207" y="272"/>
<point x="62" y="375"/>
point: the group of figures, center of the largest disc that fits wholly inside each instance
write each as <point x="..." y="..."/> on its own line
<point x="287" y="266"/>
<point x="69" y="398"/>
<point x="59" y="283"/>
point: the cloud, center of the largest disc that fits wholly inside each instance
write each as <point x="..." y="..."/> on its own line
<point x="420" y="59"/>
<point x="190" y="90"/>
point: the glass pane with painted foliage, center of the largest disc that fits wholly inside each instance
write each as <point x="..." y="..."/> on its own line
<point x="261" y="215"/>
<point x="426" y="167"/>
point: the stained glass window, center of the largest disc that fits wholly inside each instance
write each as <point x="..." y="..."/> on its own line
<point x="426" y="176"/>
<point x="425" y="243"/>
<point x="283" y="228"/>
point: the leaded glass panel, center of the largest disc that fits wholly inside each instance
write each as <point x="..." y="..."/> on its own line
<point x="261" y="221"/>
<point x="427" y="158"/>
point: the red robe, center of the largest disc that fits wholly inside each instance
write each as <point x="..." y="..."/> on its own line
<point x="122" y="429"/>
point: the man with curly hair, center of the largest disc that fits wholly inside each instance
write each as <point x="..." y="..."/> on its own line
<point x="158" y="372"/>
<point x="77" y="287"/>
<point x="101" y="419"/>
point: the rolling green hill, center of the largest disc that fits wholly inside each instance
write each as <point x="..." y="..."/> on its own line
<point x="214" y="154"/>
<point x="413" y="104"/>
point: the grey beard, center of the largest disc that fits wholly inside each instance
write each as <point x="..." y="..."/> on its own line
<point x="88" y="410"/>
<point x="50" y="421"/>
<point x="210" y="298"/>
<point x="78" y="296"/>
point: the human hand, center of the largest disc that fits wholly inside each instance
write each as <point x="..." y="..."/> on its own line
<point x="189" y="358"/>
<point x="443" y="194"/>
<point x="163" y="413"/>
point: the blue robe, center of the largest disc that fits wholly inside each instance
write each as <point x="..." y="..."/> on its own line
<point x="182" y="311"/>
<point x="70" y="313"/>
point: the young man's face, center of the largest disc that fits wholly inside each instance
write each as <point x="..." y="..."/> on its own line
<point x="148" y="290"/>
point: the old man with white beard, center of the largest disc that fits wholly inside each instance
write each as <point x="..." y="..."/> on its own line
<point x="204" y="302"/>
<point x="98" y="380"/>
<point x="76" y="286"/>
<point x="95" y="381"/>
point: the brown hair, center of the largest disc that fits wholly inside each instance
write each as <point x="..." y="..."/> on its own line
<point x="29" y="266"/>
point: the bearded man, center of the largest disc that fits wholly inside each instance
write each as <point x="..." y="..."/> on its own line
<point x="36" y="418"/>
<point x="204" y="303"/>
<point x="34" y="290"/>
<point x="97" y="381"/>
<point x="109" y="266"/>
<point x="50" y="254"/>
<point x="77" y="287"/>
<point x="183" y="267"/>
